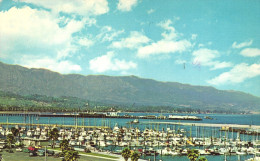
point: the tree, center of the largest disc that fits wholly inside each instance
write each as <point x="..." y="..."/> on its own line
<point x="53" y="134"/>
<point x="70" y="155"/>
<point x="135" y="156"/>
<point x="193" y="154"/>
<point x="10" y="140"/>
<point x="15" y="132"/>
<point x="126" y="153"/>
<point x="202" y="159"/>
<point x="64" y="145"/>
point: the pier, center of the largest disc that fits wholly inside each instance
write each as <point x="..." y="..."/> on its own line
<point x="205" y="124"/>
<point x="53" y="125"/>
<point x="101" y="115"/>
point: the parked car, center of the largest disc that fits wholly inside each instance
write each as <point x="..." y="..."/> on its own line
<point x="41" y="152"/>
<point x="50" y="152"/>
<point x="26" y="150"/>
<point x="31" y="154"/>
<point x="19" y="149"/>
<point x="56" y="155"/>
<point x="9" y="151"/>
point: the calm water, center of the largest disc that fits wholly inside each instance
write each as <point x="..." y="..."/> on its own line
<point x="194" y="131"/>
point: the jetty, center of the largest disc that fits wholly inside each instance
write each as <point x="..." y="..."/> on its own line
<point x="53" y="125"/>
<point x="102" y="115"/>
<point x="206" y="124"/>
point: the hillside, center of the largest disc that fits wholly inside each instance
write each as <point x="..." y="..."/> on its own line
<point x="127" y="90"/>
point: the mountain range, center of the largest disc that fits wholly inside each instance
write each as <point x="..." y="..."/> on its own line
<point x="131" y="91"/>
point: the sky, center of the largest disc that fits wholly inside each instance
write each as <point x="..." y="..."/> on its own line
<point x="198" y="42"/>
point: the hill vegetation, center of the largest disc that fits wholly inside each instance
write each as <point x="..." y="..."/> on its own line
<point x="126" y="91"/>
<point x="40" y="103"/>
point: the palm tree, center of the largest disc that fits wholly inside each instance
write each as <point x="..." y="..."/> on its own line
<point x="53" y="134"/>
<point x="10" y="140"/>
<point x="70" y="155"/>
<point x="126" y="153"/>
<point x="135" y="156"/>
<point x="64" y="145"/>
<point x="15" y="132"/>
<point x="193" y="154"/>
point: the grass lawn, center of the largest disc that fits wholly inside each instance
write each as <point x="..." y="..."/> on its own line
<point x="100" y="155"/>
<point x="21" y="156"/>
<point x="93" y="154"/>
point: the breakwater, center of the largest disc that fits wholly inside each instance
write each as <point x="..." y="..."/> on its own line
<point x="103" y="115"/>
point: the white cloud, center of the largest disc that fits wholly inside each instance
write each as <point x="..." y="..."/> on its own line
<point x="81" y="7"/>
<point x="238" y="74"/>
<point x="194" y="36"/>
<point x="205" y="57"/>
<point x="49" y="63"/>
<point x="126" y="5"/>
<point x="180" y="61"/>
<point x="68" y="51"/>
<point x="135" y="40"/>
<point x="29" y="30"/>
<point x="170" y="32"/>
<point x="220" y="65"/>
<point x="241" y="45"/>
<point x="107" y="33"/>
<point x="109" y="63"/>
<point x="150" y="11"/>
<point x="168" y="44"/>
<point x="163" y="47"/>
<point x="250" y="52"/>
<point x="3" y="55"/>
<point x="86" y="42"/>
<point x="201" y="45"/>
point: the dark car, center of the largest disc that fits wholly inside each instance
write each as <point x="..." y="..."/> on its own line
<point x="57" y="155"/>
<point x="50" y="152"/>
<point x="31" y="154"/>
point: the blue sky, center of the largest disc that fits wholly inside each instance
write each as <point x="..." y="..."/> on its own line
<point x="210" y="43"/>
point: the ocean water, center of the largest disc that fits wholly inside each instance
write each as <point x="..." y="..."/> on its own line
<point x="148" y="123"/>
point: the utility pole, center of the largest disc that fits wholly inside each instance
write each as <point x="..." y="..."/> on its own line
<point x="45" y="154"/>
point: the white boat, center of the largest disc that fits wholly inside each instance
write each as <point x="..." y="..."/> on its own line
<point x="30" y="133"/>
<point x="240" y="153"/>
<point x="255" y="158"/>
<point x="203" y="152"/>
<point x="223" y="151"/>
<point x="136" y="121"/>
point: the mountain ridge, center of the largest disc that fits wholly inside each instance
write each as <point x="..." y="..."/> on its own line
<point x="124" y="90"/>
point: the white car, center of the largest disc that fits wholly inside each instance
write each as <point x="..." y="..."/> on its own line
<point x="19" y="149"/>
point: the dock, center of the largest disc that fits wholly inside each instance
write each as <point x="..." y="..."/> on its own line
<point x="52" y="125"/>
<point x="101" y="115"/>
<point x="206" y="124"/>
